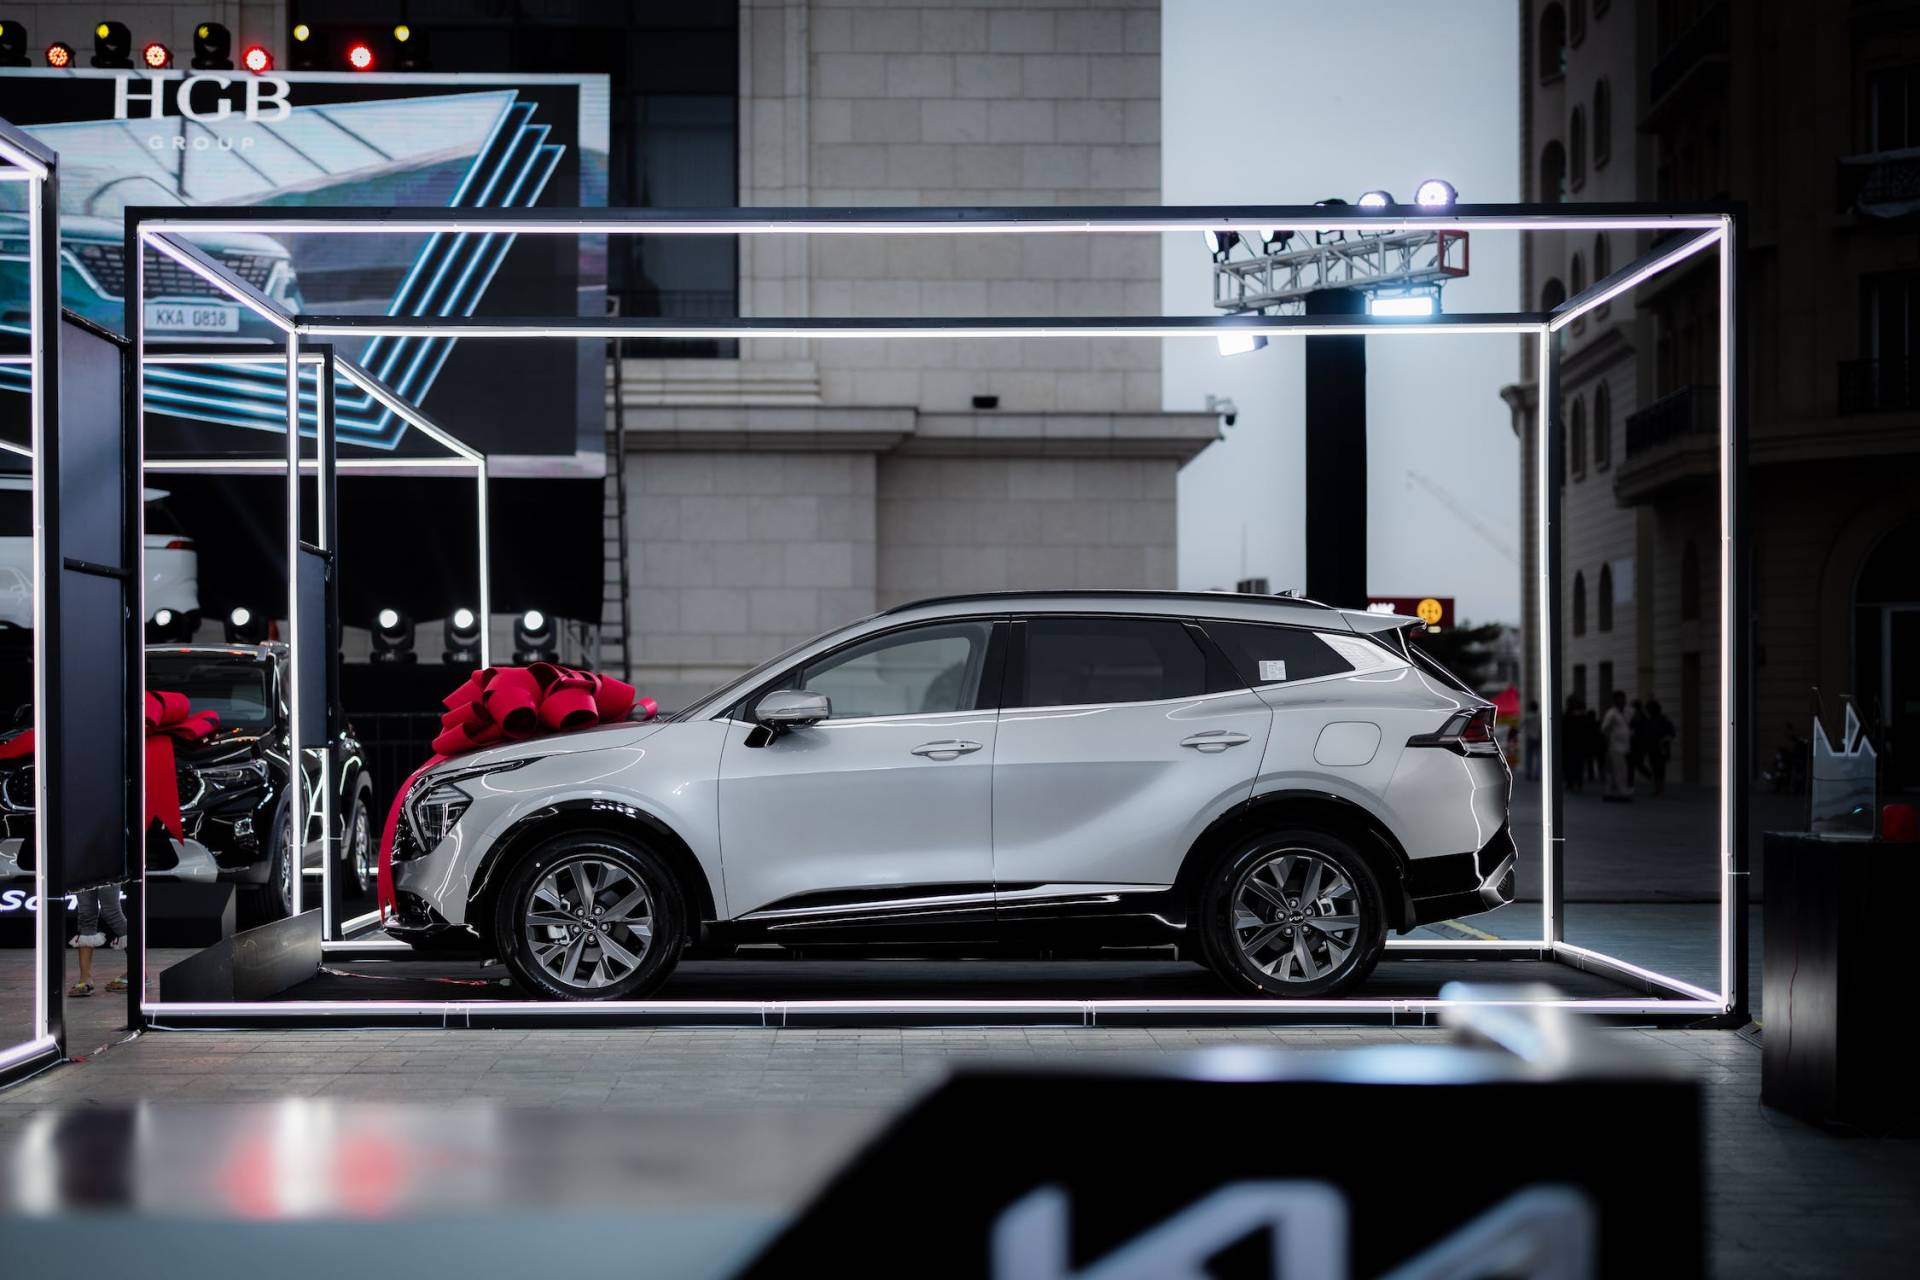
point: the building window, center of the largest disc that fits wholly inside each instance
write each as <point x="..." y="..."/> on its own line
<point x="1893" y="109"/>
<point x="1606" y="686"/>
<point x="1689" y="582"/>
<point x="1579" y="683"/>
<point x="1553" y="172"/>
<point x="1579" y="604"/>
<point x="1602" y="427"/>
<point x="1577" y="147"/>
<point x="1560" y="429"/>
<point x="1553" y="43"/>
<point x="1602" y="123"/>
<point x="1552" y="294"/>
<point x="1602" y="268"/>
<point x="1579" y="443"/>
<point x="1603" y="602"/>
<point x="1883" y="376"/>
<point x="1576" y="21"/>
<point x="1576" y="281"/>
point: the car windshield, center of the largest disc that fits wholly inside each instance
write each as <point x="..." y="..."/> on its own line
<point x="769" y="666"/>
<point x="236" y="688"/>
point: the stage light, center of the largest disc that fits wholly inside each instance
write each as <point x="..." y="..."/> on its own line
<point x="257" y="60"/>
<point x="534" y="639"/>
<point x="403" y="33"/>
<point x="360" y="57"/>
<point x="302" y="32"/>
<point x="1416" y="304"/>
<point x="1434" y="193"/>
<point x="1220" y="243"/>
<point x="392" y="637"/>
<point x="156" y="55"/>
<point x="212" y="48"/>
<point x="1238" y="344"/>
<point x="13" y="47"/>
<point x="113" y="46"/>
<point x="244" y="626"/>
<point x="59" y="55"/>
<point x="409" y="49"/>
<point x="167" y="625"/>
<point x="1274" y="239"/>
<point x="1376" y="200"/>
<point x="1329" y="237"/>
<point x="463" y="638"/>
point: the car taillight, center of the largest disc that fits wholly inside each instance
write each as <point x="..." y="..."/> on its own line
<point x="1468" y="732"/>
<point x="178" y="544"/>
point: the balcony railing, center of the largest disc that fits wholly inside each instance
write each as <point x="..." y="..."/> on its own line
<point x="1690" y="411"/>
<point x="1875" y="386"/>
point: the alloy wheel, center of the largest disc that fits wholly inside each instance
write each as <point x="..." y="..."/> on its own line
<point x="589" y="921"/>
<point x="360" y="849"/>
<point x="1296" y="915"/>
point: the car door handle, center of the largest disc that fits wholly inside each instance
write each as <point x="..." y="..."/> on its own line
<point x="1213" y="741"/>
<point x="946" y="748"/>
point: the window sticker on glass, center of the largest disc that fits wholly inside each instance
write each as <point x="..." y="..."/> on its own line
<point x="1272" y="670"/>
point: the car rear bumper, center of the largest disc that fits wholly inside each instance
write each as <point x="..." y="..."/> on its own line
<point x="1463" y="884"/>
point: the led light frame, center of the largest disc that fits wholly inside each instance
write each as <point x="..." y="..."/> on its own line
<point x="27" y="161"/>
<point x="1712" y="226"/>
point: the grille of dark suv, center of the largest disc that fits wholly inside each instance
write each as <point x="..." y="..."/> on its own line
<point x="106" y="263"/>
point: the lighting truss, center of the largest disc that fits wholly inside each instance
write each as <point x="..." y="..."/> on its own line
<point x="1684" y="232"/>
<point x="1400" y="261"/>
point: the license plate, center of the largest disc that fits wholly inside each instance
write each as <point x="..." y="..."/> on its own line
<point x="193" y="317"/>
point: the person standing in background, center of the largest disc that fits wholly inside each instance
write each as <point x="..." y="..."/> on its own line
<point x="1636" y="744"/>
<point x="1659" y="745"/>
<point x="1616" y="739"/>
<point x="97" y="907"/>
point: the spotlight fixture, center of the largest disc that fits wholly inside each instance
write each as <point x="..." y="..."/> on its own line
<point x="1434" y="193"/>
<point x="534" y="639"/>
<point x="402" y="33"/>
<point x="392" y="637"/>
<point x="360" y="56"/>
<point x="1238" y="344"/>
<point x="1406" y="304"/>
<point x="1274" y="239"/>
<point x="244" y="626"/>
<point x="113" y="46"/>
<point x="167" y="625"/>
<point x="463" y="638"/>
<point x="59" y="55"/>
<point x="157" y="56"/>
<point x="1375" y="200"/>
<point x="306" y="50"/>
<point x="302" y="33"/>
<point x="1220" y="243"/>
<point x="212" y="48"/>
<point x="1329" y="237"/>
<point x="409" y="49"/>
<point x="13" y="47"/>
<point x="257" y="60"/>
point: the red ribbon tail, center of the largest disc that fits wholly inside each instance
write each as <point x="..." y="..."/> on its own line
<point x="163" y="786"/>
<point x="389" y="902"/>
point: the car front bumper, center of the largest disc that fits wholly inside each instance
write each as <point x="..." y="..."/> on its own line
<point x="193" y="863"/>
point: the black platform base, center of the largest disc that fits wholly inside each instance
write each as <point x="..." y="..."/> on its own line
<point x="256" y="964"/>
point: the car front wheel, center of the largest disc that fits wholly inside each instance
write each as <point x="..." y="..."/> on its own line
<point x="1294" y="914"/>
<point x="590" y="917"/>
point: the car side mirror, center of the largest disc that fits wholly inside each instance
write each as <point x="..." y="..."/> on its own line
<point x="792" y="708"/>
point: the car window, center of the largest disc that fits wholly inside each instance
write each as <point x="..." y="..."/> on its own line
<point x="237" y="689"/>
<point x="1072" y="661"/>
<point x="1265" y="654"/>
<point x="914" y="672"/>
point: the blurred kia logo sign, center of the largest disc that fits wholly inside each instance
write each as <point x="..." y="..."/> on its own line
<point x="1540" y="1233"/>
<point x="202" y="97"/>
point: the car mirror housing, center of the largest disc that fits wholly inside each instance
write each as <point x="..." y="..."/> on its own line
<point x="792" y="708"/>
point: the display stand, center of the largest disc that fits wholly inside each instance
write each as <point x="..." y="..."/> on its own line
<point x="1681" y="233"/>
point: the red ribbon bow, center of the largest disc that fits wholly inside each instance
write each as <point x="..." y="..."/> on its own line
<point x="506" y="704"/>
<point x="170" y="719"/>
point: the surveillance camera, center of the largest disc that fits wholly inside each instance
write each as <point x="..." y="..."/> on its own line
<point x="1228" y="411"/>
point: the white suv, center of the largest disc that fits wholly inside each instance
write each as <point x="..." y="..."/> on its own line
<point x="1269" y="783"/>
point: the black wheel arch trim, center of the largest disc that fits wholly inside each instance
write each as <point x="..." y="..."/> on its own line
<point x="583" y="815"/>
<point x="1318" y="810"/>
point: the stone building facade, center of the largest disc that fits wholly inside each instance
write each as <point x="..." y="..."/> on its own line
<point x="805" y="483"/>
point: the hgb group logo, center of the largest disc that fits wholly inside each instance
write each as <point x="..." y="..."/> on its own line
<point x="202" y="98"/>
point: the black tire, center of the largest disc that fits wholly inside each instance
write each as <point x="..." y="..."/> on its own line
<point x="614" y="868"/>
<point x="1281" y="932"/>
<point x="274" y="899"/>
<point x="359" y="847"/>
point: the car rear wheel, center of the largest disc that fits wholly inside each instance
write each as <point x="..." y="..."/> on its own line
<point x="590" y="917"/>
<point x="358" y="854"/>
<point x="274" y="899"/>
<point x="1294" y="914"/>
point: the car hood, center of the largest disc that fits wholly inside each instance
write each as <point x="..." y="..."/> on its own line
<point x="602" y="737"/>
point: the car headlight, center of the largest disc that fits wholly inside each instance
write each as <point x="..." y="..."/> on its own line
<point x="445" y="798"/>
<point x="219" y="781"/>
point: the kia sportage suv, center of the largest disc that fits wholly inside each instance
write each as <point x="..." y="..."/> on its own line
<point x="1268" y="783"/>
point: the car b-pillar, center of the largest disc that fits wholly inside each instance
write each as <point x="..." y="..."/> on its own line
<point x="1336" y="455"/>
